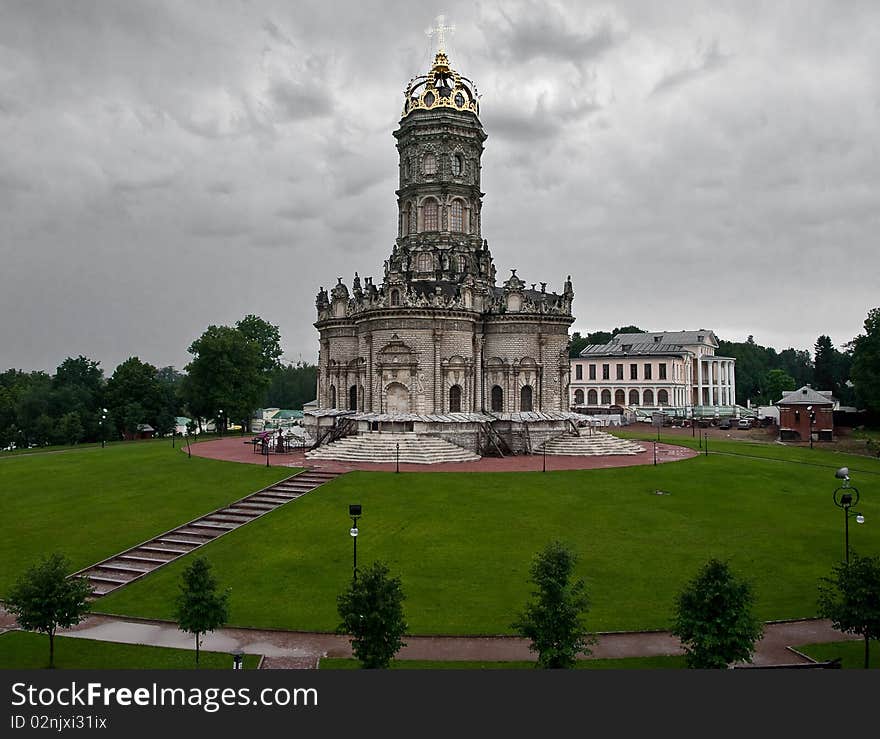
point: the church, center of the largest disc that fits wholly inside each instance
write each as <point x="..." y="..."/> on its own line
<point x="438" y="346"/>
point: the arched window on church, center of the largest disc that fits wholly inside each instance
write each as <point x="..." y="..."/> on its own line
<point x="424" y="261"/>
<point x="462" y="263"/>
<point x="578" y="397"/>
<point x="353" y="398"/>
<point x="525" y="398"/>
<point x="333" y="396"/>
<point x="429" y="215"/>
<point x="429" y="164"/>
<point x="458" y="165"/>
<point x="497" y="399"/>
<point x="455" y="399"/>
<point x="412" y="218"/>
<point x="395" y="297"/>
<point x="456" y="217"/>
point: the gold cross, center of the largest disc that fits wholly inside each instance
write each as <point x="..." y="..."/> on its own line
<point x="440" y="31"/>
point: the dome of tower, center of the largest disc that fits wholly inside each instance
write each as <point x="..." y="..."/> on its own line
<point x="442" y="87"/>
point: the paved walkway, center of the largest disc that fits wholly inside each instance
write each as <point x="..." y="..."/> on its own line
<point x="302" y="650"/>
<point x="238" y="449"/>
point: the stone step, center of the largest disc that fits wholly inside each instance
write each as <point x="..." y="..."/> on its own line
<point x="145" y="560"/>
<point x="205" y="523"/>
<point x="238" y="517"/>
<point x="127" y="568"/>
<point x="106" y="579"/>
<point x="164" y="550"/>
<point x="256" y="508"/>
<point x="178" y="541"/>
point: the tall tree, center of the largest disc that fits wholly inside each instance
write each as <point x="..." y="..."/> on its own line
<point x="292" y="386"/>
<point x="44" y="598"/>
<point x="865" y="370"/>
<point x="552" y="620"/>
<point x="267" y="337"/>
<point x="714" y="620"/>
<point x="798" y="364"/>
<point x="134" y="390"/>
<point x="200" y="608"/>
<point x="371" y="610"/>
<point x="775" y="382"/>
<point x="825" y="365"/>
<point x="224" y="374"/>
<point x="851" y="598"/>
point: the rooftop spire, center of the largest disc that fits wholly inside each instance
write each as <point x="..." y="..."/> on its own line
<point x="439" y="32"/>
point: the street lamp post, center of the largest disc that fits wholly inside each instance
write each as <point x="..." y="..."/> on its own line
<point x="103" y="419"/>
<point x="544" y="456"/>
<point x="354" y="510"/>
<point x="847" y="498"/>
<point x="812" y="421"/>
<point x="397" y="457"/>
<point x="655" y="453"/>
<point x="220" y="422"/>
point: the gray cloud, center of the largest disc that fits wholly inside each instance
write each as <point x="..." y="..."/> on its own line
<point x="166" y="167"/>
<point x="707" y="60"/>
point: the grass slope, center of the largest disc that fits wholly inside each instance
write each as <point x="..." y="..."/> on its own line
<point x="20" y="650"/>
<point x="462" y="542"/>
<point x="93" y="502"/>
<point x="851" y="653"/>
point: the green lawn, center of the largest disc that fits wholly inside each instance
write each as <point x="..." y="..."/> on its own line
<point x="462" y="542"/>
<point x="90" y="503"/>
<point x="20" y="650"/>
<point x="851" y="653"/>
<point x="629" y="663"/>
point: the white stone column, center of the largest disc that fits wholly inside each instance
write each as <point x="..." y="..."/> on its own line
<point x="699" y="379"/>
<point x="733" y="380"/>
<point x="716" y="379"/>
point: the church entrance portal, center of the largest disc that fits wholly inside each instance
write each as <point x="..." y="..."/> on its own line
<point x="396" y="398"/>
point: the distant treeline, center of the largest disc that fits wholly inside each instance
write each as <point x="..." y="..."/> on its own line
<point x="234" y="370"/>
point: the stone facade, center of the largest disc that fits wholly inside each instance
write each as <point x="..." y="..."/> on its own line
<point x="676" y="371"/>
<point x="438" y="335"/>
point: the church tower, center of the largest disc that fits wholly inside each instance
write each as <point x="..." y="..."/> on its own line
<point x="437" y="345"/>
<point x="440" y="145"/>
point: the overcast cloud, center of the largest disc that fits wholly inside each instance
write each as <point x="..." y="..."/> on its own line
<point x="169" y="165"/>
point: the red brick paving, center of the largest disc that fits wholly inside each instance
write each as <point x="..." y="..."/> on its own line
<point x="237" y="449"/>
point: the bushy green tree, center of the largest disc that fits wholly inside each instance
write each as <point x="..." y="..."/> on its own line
<point x="851" y="598"/>
<point x="552" y="620"/>
<point x="292" y="386"/>
<point x="70" y="429"/>
<point x="200" y="608"/>
<point x="44" y="598"/>
<point x="775" y="382"/>
<point x="714" y="619"/>
<point x="226" y="373"/>
<point x="865" y="369"/>
<point x="371" y="610"/>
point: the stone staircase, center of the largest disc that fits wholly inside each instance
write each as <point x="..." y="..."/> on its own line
<point x="135" y="563"/>
<point x="382" y="447"/>
<point x="586" y="444"/>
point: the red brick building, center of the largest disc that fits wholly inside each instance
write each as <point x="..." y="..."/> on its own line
<point x="803" y="410"/>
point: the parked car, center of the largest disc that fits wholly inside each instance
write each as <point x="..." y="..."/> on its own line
<point x="724" y="424"/>
<point x="744" y="423"/>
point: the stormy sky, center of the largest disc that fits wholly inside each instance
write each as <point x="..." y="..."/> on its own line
<point x="169" y="165"/>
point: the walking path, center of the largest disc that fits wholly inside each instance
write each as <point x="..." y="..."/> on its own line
<point x="302" y="650"/>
